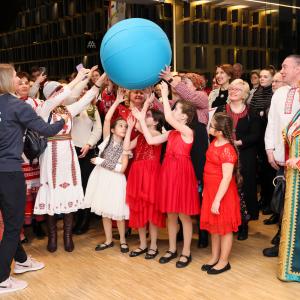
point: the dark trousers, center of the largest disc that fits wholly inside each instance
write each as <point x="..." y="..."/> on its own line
<point x="86" y="167"/>
<point x="12" y="205"/>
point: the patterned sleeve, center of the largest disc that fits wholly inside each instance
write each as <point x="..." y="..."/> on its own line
<point x="229" y="155"/>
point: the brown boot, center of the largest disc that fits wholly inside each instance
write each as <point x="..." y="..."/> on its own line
<point x="52" y="234"/>
<point x="68" y="226"/>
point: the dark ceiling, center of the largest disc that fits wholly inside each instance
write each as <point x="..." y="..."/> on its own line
<point x="8" y="14"/>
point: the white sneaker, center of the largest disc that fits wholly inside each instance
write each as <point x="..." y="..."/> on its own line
<point x="12" y="285"/>
<point x="29" y="265"/>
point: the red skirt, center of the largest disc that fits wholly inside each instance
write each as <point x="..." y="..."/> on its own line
<point x="229" y="218"/>
<point x="178" y="192"/>
<point x="141" y="191"/>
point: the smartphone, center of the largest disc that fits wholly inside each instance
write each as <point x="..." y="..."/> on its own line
<point x="43" y="70"/>
<point x="79" y="67"/>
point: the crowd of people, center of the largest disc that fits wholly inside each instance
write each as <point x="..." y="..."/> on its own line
<point x="146" y="159"/>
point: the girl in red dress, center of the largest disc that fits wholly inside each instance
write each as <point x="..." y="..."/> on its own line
<point x="178" y="192"/>
<point x="142" y="182"/>
<point x="220" y="212"/>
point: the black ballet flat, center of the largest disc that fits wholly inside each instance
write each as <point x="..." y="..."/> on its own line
<point x="135" y="253"/>
<point x="104" y="246"/>
<point x="166" y="259"/>
<point x="151" y="255"/>
<point x="213" y="271"/>
<point x="124" y="249"/>
<point x="207" y="267"/>
<point x="183" y="264"/>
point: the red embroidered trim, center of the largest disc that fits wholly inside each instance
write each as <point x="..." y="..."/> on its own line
<point x="289" y="101"/>
<point x="64" y="185"/>
<point x="54" y="158"/>
<point x="73" y="165"/>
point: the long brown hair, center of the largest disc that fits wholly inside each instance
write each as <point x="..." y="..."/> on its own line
<point x="224" y="123"/>
<point x="188" y="109"/>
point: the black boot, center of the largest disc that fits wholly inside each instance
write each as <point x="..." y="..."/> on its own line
<point x="243" y="232"/>
<point x="38" y="230"/>
<point x="68" y="224"/>
<point x="271" y="252"/>
<point x="203" y="239"/>
<point x="79" y="218"/>
<point x="274" y="219"/>
<point x="83" y="222"/>
<point x="52" y="234"/>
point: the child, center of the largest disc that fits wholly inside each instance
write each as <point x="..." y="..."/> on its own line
<point x="106" y="189"/>
<point x="220" y="212"/>
<point x="142" y="181"/>
<point x="178" y="192"/>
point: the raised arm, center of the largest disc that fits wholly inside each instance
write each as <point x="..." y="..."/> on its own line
<point x="79" y="106"/>
<point x="182" y="128"/>
<point x="106" y="126"/>
<point x="129" y="145"/>
<point x="77" y="89"/>
<point x="198" y="98"/>
<point x="151" y="140"/>
<point x="36" y="85"/>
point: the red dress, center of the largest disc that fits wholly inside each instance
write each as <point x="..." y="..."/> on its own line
<point x="142" y="184"/>
<point x="230" y="215"/>
<point x="178" y="192"/>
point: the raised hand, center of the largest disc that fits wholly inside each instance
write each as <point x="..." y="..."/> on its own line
<point x="139" y="115"/>
<point x="120" y="95"/>
<point x="94" y="68"/>
<point x="164" y="89"/>
<point x="166" y="73"/>
<point x="131" y="122"/>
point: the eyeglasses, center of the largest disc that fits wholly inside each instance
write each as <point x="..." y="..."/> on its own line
<point x="233" y="89"/>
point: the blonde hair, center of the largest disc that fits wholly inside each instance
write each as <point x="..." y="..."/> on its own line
<point x="6" y="79"/>
<point x="245" y="86"/>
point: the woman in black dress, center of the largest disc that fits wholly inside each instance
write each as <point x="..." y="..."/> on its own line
<point x="247" y="134"/>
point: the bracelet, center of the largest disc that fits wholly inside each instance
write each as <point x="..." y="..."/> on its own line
<point x="170" y="80"/>
<point x="99" y="87"/>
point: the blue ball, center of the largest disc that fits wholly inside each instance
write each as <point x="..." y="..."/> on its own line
<point x="133" y="52"/>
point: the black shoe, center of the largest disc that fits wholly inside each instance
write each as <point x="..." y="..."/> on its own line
<point x="25" y="240"/>
<point x="166" y="259"/>
<point x="274" y="219"/>
<point x="276" y="238"/>
<point x="135" y="253"/>
<point x="203" y="239"/>
<point x="213" y="271"/>
<point x="182" y="264"/>
<point x="243" y="233"/>
<point x="38" y="230"/>
<point x="124" y="249"/>
<point x="104" y="246"/>
<point x="151" y="255"/>
<point x="271" y="252"/>
<point x="267" y="211"/>
<point x="207" y="267"/>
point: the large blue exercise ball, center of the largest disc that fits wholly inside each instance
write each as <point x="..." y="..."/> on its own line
<point x="133" y="52"/>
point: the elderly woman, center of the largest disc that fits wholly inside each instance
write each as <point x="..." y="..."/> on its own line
<point x="289" y="255"/>
<point x="247" y="134"/>
<point x="219" y="96"/>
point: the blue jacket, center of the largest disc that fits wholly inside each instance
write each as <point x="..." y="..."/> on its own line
<point x="15" y="117"/>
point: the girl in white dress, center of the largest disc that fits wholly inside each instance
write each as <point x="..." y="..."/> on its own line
<point x="106" y="189"/>
<point x="61" y="189"/>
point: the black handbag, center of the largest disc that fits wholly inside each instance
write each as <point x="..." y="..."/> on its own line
<point x="34" y="144"/>
<point x="279" y="192"/>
